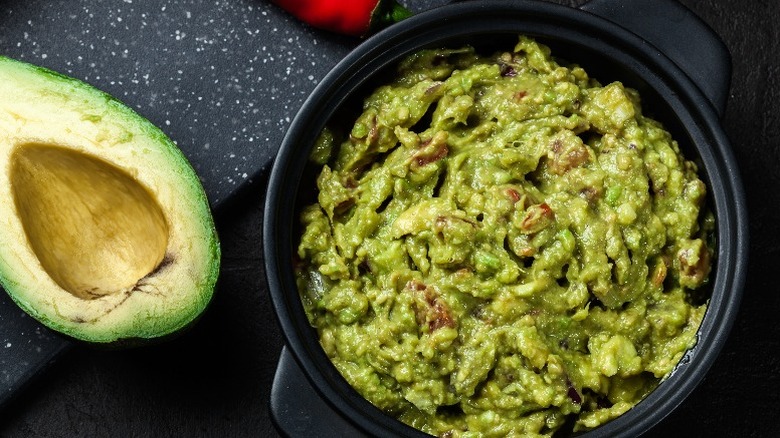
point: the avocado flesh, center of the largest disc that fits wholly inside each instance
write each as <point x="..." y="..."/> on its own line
<point x="95" y="230"/>
<point x="106" y="234"/>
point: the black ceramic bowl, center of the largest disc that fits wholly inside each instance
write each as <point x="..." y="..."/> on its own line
<point x="681" y="70"/>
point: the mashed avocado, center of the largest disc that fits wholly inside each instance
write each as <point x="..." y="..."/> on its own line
<point x="503" y="246"/>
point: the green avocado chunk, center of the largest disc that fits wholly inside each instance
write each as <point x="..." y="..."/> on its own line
<point x="502" y="246"/>
<point x="107" y="235"/>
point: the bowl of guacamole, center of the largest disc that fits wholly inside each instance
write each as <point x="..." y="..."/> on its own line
<point x="505" y="227"/>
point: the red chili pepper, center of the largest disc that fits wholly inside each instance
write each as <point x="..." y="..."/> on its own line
<point x="356" y="18"/>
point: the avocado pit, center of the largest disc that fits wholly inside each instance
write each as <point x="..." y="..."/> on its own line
<point x="95" y="229"/>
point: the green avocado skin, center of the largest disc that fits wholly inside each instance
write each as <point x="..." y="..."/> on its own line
<point x="59" y="102"/>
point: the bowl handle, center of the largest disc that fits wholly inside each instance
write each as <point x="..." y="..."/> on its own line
<point x="680" y="35"/>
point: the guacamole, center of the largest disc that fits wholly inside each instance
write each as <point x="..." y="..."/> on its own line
<point x="501" y="245"/>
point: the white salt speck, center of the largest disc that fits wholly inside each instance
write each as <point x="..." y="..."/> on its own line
<point x="8" y="345"/>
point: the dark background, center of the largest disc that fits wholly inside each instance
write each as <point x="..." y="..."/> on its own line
<point x="215" y="380"/>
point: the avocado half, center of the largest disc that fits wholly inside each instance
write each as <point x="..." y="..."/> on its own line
<point x="106" y="233"/>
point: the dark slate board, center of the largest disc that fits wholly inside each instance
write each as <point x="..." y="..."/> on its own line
<point x="223" y="78"/>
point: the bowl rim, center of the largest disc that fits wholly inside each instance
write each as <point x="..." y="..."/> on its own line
<point x="468" y="19"/>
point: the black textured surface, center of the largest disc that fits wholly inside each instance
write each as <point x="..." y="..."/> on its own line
<point x="221" y="78"/>
<point x="216" y="379"/>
